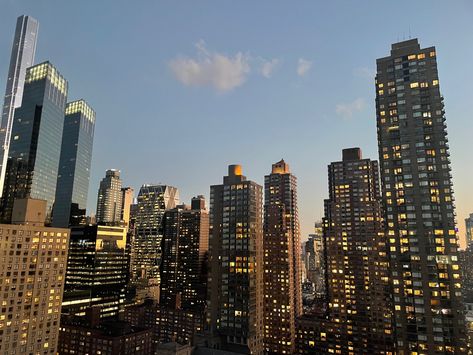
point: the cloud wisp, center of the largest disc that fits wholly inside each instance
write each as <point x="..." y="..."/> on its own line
<point x="303" y="66"/>
<point x="212" y="69"/>
<point x="347" y="110"/>
<point x="268" y="67"/>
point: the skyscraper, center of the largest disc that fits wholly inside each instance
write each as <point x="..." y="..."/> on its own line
<point x="31" y="280"/>
<point x="128" y="194"/>
<point x="356" y="257"/>
<point x="235" y="299"/>
<point x="109" y="199"/>
<point x="153" y="201"/>
<point x="315" y="260"/>
<point x="22" y="57"/>
<point x="185" y="244"/>
<point x="418" y="198"/>
<point x="282" y="264"/>
<point x="97" y="269"/>
<point x="469" y="229"/>
<point x="33" y="160"/>
<point x="74" y="165"/>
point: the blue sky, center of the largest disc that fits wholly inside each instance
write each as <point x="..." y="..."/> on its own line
<point x="182" y="89"/>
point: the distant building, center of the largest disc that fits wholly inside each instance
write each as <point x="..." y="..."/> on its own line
<point x="97" y="270"/>
<point x="22" y="57"/>
<point x="89" y="335"/>
<point x="152" y="202"/>
<point x="31" y="280"/>
<point x="169" y="325"/>
<point x="282" y="260"/>
<point x="174" y="349"/>
<point x="469" y="229"/>
<point x="185" y="245"/>
<point x="33" y="158"/>
<point x="128" y="194"/>
<point x="74" y="165"/>
<point x="109" y="199"/>
<point x="314" y="258"/>
<point x="235" y="292"/>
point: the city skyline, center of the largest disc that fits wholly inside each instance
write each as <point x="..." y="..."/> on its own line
<point x="320" y="123"/>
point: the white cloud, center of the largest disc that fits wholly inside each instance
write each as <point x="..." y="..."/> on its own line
<point x="303" y="66"/>
<point x="364" y="72"/>
<point x="346" y="110"/>
<point x="212" y="69"/>
<point x="268" y="67"/>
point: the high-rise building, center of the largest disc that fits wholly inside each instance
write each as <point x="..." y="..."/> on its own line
<point x="97" y="270"/>
<point x="74" y="165"/>
<point x="22" y="57"/>
<point x="128" y="194"/>
<point x="418" y="198"/>
<point x="314" y="259"/>
<point x="235" y="296"/>
<point x="36" y="137"/>
<point x="32" y="270"/>
<point x="109" y="200"/>
<point x="356" y="256"/>
<point x="282" y="260"/>
<point x="185" y="244"/>
<point x="469" y="229"/>
<point x="152" y="202"/>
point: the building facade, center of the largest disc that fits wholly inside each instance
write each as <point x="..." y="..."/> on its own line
<point x="418" y="202"/>
<point x="185" y="244"/>
<point x="282" y="260"/>
<point x="97" y="270"/>
<point x="235" y="291"/>
<point x="128" y="195"/>
<point x="74" y="165"/>
<point x="469" y="229"/>
<point x="32" y="273"/>
<point x="33" y="158"/>
<point x="109" y="199"/>
<point x="89" y="335"/>
<point x="358" y="292"/>
<point x="22" y="57"/>
<point x="152" y="203"/>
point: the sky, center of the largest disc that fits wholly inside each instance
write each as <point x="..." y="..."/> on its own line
<point x="182" y="89"/>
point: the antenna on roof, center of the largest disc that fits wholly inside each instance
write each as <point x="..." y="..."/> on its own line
<point x="410" y="32"/>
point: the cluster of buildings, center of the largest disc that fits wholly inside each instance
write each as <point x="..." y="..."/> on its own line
<point x="381" y="273"/>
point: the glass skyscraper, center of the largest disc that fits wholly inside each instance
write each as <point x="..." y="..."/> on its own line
<point x="36" y="138"/>
<point x="22" y="57"/>
<point x="74" y="164"/>
<point x="153" y="201"/>
<point x="418" y="198"/>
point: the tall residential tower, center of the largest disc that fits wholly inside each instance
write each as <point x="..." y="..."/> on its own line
<point x="22" y="57"/>
<point x="356" y="257"/>
<point x="282" y="260"/>
<point x="235" y="299"/>
<point x="418" y="197"/>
